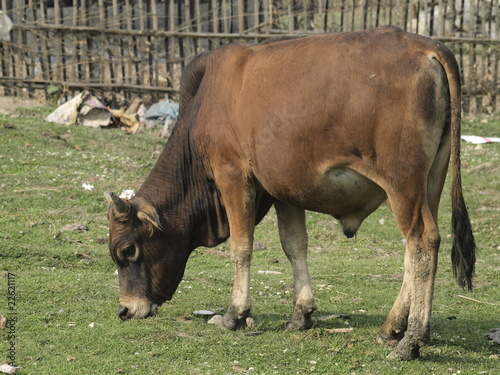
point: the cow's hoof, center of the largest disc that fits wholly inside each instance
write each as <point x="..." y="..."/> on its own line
<point x="304" y="322"/>
<point x="391" y="340"/>
<point x="240" y="321"/>
<point x="404" y="355"/>
<point x="301" y="318"/>
<point x="230" y="323"/>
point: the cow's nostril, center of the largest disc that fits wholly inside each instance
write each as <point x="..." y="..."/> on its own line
<point x="122" y="313"/>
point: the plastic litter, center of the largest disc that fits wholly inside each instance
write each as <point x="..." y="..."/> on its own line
<point x="477" y="140"/>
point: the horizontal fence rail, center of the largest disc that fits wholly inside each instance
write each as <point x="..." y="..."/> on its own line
<point x="138" y="47"/>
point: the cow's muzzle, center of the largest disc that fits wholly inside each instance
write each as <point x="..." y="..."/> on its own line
<point x="137" y="309"/>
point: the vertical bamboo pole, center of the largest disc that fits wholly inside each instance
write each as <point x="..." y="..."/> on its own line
<point x="305" y="16"/>
<point x="256" y="16"/>
<point x="4" y="61"/>
<point x="196" y="24"/>
<point x="74" y="67"/>
<point x="275" y="21"/>
<point x="57" y="42"/>
<point x="404" y="15"/>
<point x="18" y="59"/>
<point x="169" y="42"/>
<point x="103" y="71"/>
<point x="30" y="40"/>
<point x="342" y="14"/>
<point x="353" y="16"/>
<point x="290" y="16"/>
<point x="429" y="19"/>
<point x="117" y="54"/>
<point x="198" y="19"/>
<point x="484" y="61"/>
<point x="44" y="48"/>
<point x="464" y="70"/>
<point x="225" y="16"/>
<point x="267" y="17"/>
<point x="241" y="20"/>
<point x="334" y="22"/>
<point x="377" y="17"/>
<point x="180" y="39"/>
<point x="325" y="19"/>
<point x="215" y="16"/>
<point x="210" y="25"/>
<point x="141" y="54"/>
<point x="391" y="5"/>
<point x="130" y="45"/>
<point x="93" y="72"/>
<point x="85" y="52"/>
<point x="442" y="18"/>
<point x="12" y="56"/>
<point x="187" y="26"/>
<point x="154" y="70"/>
<point x="496" y="55"/>
<point x="473" y="78"/>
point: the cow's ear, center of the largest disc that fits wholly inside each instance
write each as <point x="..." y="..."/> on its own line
<point x="148" y="214"/>
<point x="121" y="206"/>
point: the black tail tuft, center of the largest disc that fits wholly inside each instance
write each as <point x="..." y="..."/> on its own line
<point x="463" y="252"/>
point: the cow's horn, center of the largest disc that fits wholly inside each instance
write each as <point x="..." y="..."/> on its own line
<point x="121" y="206"/>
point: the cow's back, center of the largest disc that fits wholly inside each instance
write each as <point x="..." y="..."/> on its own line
<point x="293" y="111"/>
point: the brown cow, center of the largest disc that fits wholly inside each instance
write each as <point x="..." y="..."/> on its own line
<point x="334" y="123"/>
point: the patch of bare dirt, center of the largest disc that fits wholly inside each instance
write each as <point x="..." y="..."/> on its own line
<point x="9" y="105"/>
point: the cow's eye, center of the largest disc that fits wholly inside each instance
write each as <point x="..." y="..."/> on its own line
<point x="129" y="253"/>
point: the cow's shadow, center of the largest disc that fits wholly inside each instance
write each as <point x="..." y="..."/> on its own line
<point x="462" y="334"/>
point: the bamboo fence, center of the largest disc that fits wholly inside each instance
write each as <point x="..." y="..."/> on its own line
<point x="134" y="47"/>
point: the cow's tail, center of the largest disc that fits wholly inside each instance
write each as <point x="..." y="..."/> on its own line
<point x="463" y="252"/>
<point x="191" y="79"/>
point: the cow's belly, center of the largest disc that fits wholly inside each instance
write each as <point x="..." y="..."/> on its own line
<point x="342" y="193"/>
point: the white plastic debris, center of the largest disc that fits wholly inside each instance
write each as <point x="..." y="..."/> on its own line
<point x="68" y="112"/>
<point x="217" y="320"/>
<point x="8" y="369"/>
<point x="477" y="140"/>
<point x="87" y="186"/>
<point x="250" y="322"/>
<point x="5" y="26"/>
<point x="127" y="194"/>
<point x="93" y="113"/>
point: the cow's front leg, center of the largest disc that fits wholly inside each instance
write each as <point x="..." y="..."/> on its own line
<point x="238" y="194"/>
<point x="239" y="310"/>
<point x="293" y="237"/>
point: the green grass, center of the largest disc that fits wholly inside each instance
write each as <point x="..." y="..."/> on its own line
<point x="66" y="281"/>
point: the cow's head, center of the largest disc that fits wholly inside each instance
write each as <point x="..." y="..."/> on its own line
<point x="150" y="264"/>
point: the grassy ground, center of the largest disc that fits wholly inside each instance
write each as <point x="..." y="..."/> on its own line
<point x="66" y="288"/>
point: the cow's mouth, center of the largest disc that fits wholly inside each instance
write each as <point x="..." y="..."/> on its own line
<point x="137" y="309"/>
<point x="125" y="314"/>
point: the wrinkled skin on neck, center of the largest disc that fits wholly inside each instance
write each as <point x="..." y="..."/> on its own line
<point x="177" y="209"/>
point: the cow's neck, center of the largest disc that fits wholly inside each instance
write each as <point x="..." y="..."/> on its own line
<point x="182" y="193"/>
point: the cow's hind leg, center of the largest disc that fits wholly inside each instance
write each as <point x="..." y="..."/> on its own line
<point x="417" y="217"/>
<point x="293" y="236"/>
<point x="409" y="318"/>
